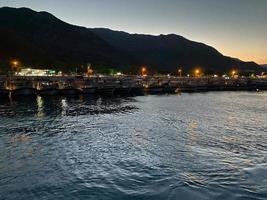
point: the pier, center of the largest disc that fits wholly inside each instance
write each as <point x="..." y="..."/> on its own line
<point x="123" y="85"/>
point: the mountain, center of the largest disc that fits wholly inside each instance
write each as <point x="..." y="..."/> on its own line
<point x="41" y="39"/>
<point x="168" y="52"/>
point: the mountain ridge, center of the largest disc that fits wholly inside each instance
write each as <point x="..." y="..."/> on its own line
<point x="40" y="38"/>
<point x="177" y="50"/>
<point x="51" y="42"/>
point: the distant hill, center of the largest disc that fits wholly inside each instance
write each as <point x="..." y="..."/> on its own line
<point x="168" y="52"/>
<point x="41" y="39"/>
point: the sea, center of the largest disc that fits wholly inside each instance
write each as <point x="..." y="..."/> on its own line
<point x="196" y="146"/>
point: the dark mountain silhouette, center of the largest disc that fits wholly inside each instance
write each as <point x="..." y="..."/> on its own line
<point x="168" y="52"/>
<point x="40" y="39"/>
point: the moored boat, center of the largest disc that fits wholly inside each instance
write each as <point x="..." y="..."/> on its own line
<point x="47" y="88"/>
<point x="23" y="88"/>
<point x="89" y="90"/>
<point x="88" y="86"/>
<point x="258" y="84"/>
<point x="124" y="86"/>
<point x="68" y="88"/>
<point x="137" y="90"/>
<point x="136" y="87"/>
<point x="106" y="86"/>
<point x="105" y="90"/>
<point x="122" y="90"/>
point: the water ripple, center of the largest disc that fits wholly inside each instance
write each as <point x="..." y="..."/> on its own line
<point x="192" y="146"/>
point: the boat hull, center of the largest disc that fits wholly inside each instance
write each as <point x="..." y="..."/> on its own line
<point x="122" y="91"/>
<point x="24" y="92"/>
<point x="137" y="91"/>
<point x="69" y="91"/>
<point x="105" y="91"/>
<point x="170" y="90"/>
<point x="88" y="90"/>
<point x="48" y="92"/>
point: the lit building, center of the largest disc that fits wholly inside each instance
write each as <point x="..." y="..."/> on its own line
<point x="36" y="72"/>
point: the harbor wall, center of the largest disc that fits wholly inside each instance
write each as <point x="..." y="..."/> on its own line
<point x="25" y="85"/>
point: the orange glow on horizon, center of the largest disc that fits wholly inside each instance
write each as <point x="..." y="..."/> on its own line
<point x="252" y="53"/>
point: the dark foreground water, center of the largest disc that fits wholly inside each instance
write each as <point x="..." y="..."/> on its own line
<point x="192" y="146"/>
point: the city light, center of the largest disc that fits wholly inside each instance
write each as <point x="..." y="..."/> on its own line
<point x="234" y="72"/>
<point x="180" y="72"/>
<point x="197" y="72"/>
<point x="15" y="63"/>
<point x="36" y="72"/>
<point x="90" y="71"/>
<point x="144" y="71"/>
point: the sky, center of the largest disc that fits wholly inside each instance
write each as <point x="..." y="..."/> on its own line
<point x="237" y="28"/>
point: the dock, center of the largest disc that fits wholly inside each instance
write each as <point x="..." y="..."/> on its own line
<point x="123" y="85"/>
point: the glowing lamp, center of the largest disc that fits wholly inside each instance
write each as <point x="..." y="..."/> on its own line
<point x="233" y="72"/>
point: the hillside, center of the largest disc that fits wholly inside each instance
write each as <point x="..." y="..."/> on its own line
<point x="167" y="52"/>
<point x="40" y="39"/>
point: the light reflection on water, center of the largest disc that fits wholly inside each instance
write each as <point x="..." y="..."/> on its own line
<point x="192" y="146"/>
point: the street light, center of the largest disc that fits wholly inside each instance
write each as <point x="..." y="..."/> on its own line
<point x="180" y="72"/>
<point x="197" y="72"/>
<point x="14" y="65"/>
<point x="234" y="72"/>
<point x="144" y="71"/>
<point x="90" y="71"/>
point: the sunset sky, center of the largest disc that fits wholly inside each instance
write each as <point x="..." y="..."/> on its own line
<point x="237" y="28"/>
